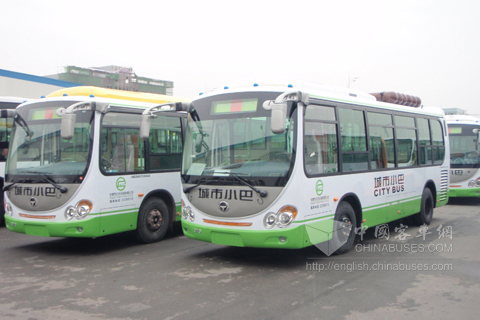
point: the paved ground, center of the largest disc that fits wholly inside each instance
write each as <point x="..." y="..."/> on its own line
<point x="115" y="278"/>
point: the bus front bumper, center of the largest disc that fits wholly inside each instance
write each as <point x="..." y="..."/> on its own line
<point x="89" y="228"/>
<point x="464" y="192"/>
<point x="294" y="237"/>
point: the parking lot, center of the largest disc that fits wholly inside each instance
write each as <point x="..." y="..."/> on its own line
<point x="423" y="273"/>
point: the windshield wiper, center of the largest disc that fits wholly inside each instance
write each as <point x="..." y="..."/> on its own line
<point x="18" y="119"/>
<point x="49" y="180"/>
<point x="261" y="193"/>
<point x="188" y="189"/>
<point x="5" y="188"/>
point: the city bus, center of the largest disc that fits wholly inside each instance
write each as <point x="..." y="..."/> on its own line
<point x="77" y="168"/>
<point x="285" y="167"/>
<point x="464" y="131"/>
<point x="7" y="105"/>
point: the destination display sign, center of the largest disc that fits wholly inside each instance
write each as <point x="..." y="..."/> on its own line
<point x="237" y="105"/>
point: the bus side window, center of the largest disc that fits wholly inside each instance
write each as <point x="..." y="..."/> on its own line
<point x="320" y="140"/>
<point x="165" y="143"/>
<point x="353" y="135"/>
<point x="406" y="147"/>
<point x="406" y="138"/>
<point x="121" y="149"/>
<point x="425" y="149"/>
<point x="382" y="152"/>
<point x="438" y="144"/>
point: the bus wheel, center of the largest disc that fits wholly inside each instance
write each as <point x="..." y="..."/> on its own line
<point x="153" y="221"/>
<point x="346" y="229"/>
<point x="426" y="210"/>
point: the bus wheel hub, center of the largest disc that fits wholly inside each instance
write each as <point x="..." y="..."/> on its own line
<point x="154" y="220"/>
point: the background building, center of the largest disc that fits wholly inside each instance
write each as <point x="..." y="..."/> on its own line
<point x="114" y="77"/>
<point x="450" y="111"/>
<point x="16" y="84"/>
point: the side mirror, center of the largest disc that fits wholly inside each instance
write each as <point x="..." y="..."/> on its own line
<point x="279" y="117"/>
<point x="478" y="138"/>
<point x="148" y="114"/>
<point x="279" y="108"/>
<point x="145" y="123"/>
<point x="69" y="117"/>
<point x="67" y="127"/>
<point x="198" y="142"/>
<point x="182" y="106"/>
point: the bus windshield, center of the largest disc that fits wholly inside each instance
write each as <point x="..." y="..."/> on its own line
<point x="228" y="139"/>
<point x="464" y="151"/>
<point x="37" y="150"/>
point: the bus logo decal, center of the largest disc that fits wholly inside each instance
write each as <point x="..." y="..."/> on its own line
<point x="121" y="184"/>
<point x="319" y="187"/>
<point x="226" y="194"/>
<point x="386" y="185"/>
<point x="33" y="202"/>
<point x="223" y="206"/>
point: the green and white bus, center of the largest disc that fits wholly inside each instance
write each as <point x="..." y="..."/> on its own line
<point x="464" y="135"/>
<point x="7" y="111"/>
<point x="284" y="167"/>
<point x="77" y="167"/>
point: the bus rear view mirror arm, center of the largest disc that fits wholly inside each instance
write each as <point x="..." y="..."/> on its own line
<point x="279" y="108"/>
<point x="69" y="117"/>
<point x="148" y="114"/>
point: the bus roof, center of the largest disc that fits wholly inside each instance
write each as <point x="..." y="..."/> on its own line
<point x="12" y="99"/>
<point x="462" y="119"/>
<point x="313" y="89"/>
<point x="115" y="94"/>
<point x="332" y="93"/>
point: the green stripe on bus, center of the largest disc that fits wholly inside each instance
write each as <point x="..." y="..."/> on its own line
<point x="314" y="219"/>
<point x="115" y="211"/>
<point x="391" y="203"/>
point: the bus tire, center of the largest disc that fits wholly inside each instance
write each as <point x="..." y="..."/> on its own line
<point x="2" y="209"/>
<point x="426" y="209"/>
<point x="153" y="221"/>
<point x="346" y="214"/>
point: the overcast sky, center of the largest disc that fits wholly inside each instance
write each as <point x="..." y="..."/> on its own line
<point x="427" y="48"/>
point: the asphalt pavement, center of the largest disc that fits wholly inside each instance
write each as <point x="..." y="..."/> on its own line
<point x="396" y="272"/>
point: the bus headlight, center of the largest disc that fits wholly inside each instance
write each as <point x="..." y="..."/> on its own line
<point x="282" y="219"/>
<point x="286" y="215"/>
<point x="79" y="211"/>
<point x="83" y="208"/>
<point x="285" y="219"/>
<point x="8" y="209"/>
<point x="472" y="183"/>
<point x="70" y="213"/>
<point x="270" y="220"/>
<point x="187" y="214"/>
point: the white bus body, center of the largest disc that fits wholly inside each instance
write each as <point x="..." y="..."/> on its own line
<point x="267" y="167"/>
<point x="464" y="152"/>
<point x="6" y="120"/>
<point x="77" y="167"/>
